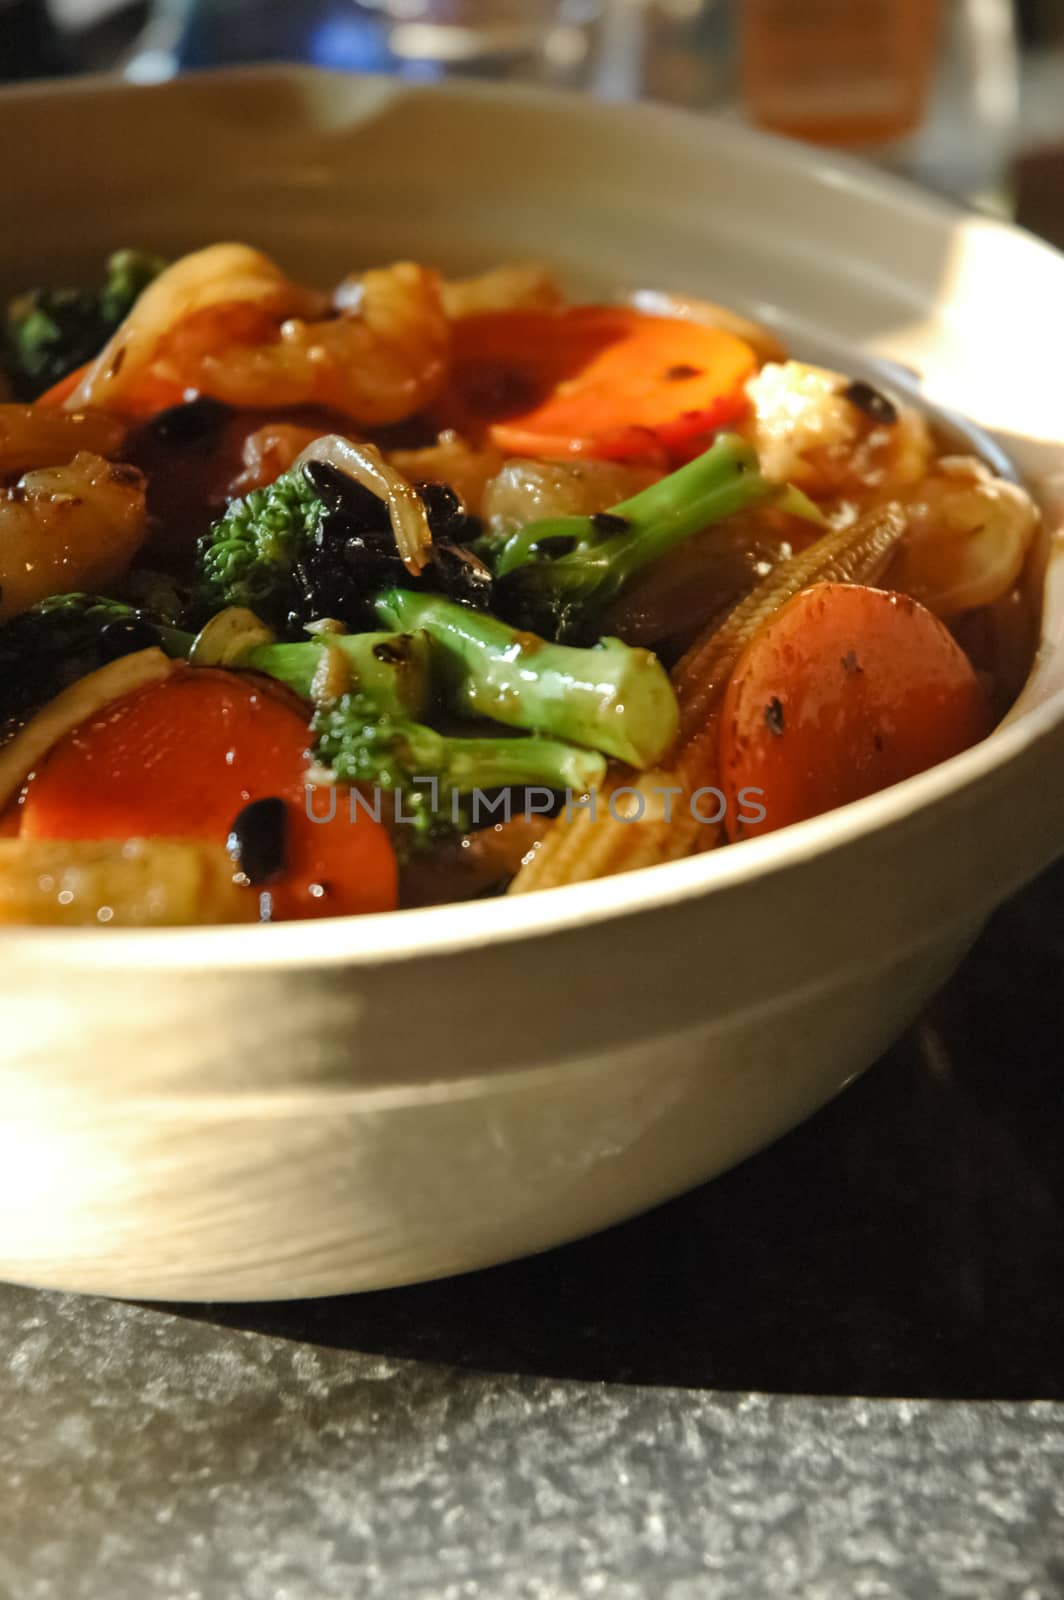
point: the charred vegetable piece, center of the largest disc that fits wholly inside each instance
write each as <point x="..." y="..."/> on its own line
<point x="560" y="573"/>
<point x="610" y="698"/>
<point x="317" y="543"/>
<point x="845" y="691"/>
<point x="429" y="768"/>
<point x="127" y="773"/>
<point x="460" y="574"/>
<point x="50" y="332"/>
<point x="355" y="549"/>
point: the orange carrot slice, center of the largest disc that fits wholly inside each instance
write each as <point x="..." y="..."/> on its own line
<point x="843" y="692"/>
<point x="600" y="381"/>
<point x="181" y="759"/>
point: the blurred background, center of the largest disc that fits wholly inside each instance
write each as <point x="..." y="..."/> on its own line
<point x="965" y="96"/>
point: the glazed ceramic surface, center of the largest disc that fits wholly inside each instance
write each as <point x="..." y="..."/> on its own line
<point x="307" y="1109"/>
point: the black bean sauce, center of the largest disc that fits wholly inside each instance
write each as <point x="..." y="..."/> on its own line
<point x="193" y="422"/>
<point x="258" y="840"/>
<point x="125" y="637"/>
<point x="877" y="407"/>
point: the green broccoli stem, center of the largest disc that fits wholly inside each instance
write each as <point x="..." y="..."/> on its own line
<point x="392" y="670"/>
<point x="462" y="766"/>
<point x="65" y="637"/>
<point x="67" y="627"/>
<point x="611" y="697"/>
<point x="612" y="547"/>
<point x="360" y="746"/>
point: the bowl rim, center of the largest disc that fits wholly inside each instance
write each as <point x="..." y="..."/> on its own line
<point x="402" y="935"/>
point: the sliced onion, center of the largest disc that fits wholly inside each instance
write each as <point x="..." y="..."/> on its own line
<point x="365" y="464"/>
<point x="72" y="707"/>
<point x="227" y="638"/>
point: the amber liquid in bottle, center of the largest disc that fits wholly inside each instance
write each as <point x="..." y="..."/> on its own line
<point x="840" y="72"/>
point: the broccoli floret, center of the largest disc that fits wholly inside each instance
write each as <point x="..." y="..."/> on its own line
<point x="559" y="574"/>
<point x="129" y="272"/>
<point x="612" y="697"/>
<point x="431" y="770"/>
<point x="250" y="555"/>
<point x="66" y="636"/>
<point x="50" y="332"/>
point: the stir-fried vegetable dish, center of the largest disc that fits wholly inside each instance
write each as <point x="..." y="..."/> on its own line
<point x="318" y="603"/>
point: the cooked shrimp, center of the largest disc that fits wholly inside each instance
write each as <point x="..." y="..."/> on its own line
<point x="451" y="460"/>
<point x="226" y="290"/>
<point x="71" y="527"/>
<point x="268" y="452"/>
<point x="525" y="286"/>
<point x="38" y="436"/>
<point x="377" y="364"/>
<point x="526" y="490"/>
<point x="807" y="431"/>
<point x="226" y="322"/>
<point x="968" y="537"/>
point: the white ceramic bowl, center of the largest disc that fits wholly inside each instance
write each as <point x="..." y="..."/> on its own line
<point x="294" y="1110"/>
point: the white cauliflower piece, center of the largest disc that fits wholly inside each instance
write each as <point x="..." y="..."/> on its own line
<point x="808" y="432"/>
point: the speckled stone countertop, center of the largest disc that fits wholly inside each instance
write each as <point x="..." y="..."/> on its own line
<point x="659" y="1413"/>
<point x="156" y="1458"/>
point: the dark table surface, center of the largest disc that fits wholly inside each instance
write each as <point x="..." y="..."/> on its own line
<point x="617" y="1418"/>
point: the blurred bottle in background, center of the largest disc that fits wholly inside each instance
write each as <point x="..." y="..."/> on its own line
<point x="928" y="87"/>
<point x="841" y="72"/>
